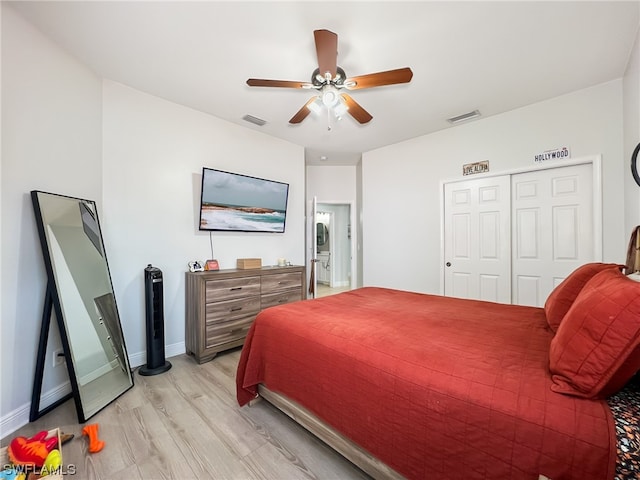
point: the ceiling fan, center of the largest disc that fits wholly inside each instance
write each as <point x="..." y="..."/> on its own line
<point x="330" y="80"/>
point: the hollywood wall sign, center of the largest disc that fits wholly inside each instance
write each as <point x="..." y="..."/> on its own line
<point x="553" y="154"/>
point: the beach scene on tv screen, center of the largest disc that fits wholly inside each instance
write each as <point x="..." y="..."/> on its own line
<point x="237" y="202"/>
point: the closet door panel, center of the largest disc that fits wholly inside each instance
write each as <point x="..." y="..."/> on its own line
<point x="477" y="239"/>
<point x="552" y="231"/>
<point x="566" y="243"/>
<point x="527" y="233"/>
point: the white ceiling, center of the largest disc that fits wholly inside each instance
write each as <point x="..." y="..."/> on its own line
<point x="490" y="56"/>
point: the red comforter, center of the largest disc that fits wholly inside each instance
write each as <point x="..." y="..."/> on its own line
<point x="435" y="387"/>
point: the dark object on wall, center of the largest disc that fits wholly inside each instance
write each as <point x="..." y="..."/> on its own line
<point x="156" y="362"/>
<point x="633" y="252"/>
<point x="322" y="234"/>
<point x="634" y="164"/>
<point x="80" y="293"/>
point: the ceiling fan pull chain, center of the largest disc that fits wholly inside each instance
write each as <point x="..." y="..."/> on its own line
<point x="328" y="119"/>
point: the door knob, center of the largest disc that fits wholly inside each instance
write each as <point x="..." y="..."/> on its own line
<point x="448" y="264"/>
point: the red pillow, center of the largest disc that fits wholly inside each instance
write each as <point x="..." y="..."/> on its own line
<point x="597" y="347"/>
<point x="562" y="297"/>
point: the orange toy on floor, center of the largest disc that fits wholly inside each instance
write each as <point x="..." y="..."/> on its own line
<point x="91" y="431"/>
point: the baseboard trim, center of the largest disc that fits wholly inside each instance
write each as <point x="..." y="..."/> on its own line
<point x="19" y="417"/>
<point x="140" y="358"/>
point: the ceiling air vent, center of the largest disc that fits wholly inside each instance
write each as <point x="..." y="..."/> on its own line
<point x="464" y="117"/>
<point x="255" y="120"/>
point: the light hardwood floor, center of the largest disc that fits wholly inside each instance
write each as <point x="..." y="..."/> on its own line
<point x="324" y="290"/>
<point x="186" y="423"/>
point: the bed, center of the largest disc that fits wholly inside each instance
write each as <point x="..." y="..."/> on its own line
<point x="423" y="386"/>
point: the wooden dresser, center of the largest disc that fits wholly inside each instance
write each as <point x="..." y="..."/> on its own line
<point x="221" y="305"/>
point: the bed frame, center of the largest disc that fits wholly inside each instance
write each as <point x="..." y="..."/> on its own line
<point x="348" y="449"/>
<point x="341" y="444"/>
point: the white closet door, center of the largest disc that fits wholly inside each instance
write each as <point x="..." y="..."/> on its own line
<point x="552" y="225"/>
<point x="477" y="239"/>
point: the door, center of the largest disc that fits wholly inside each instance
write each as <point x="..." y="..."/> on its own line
<point x="552" y="227"/>
<point x="311" y="244"/>
<point x="477" y="239"/>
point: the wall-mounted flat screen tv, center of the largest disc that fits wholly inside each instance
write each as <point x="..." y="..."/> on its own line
<point x="240" y="203"/>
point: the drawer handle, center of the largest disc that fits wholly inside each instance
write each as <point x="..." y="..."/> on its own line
<point x="236" y="309"/>
<point x="235" y="288"/>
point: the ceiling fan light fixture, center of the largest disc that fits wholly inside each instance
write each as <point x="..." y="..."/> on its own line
<point x="315" y="106"/>
<point x="340" y="109"/>
<point x="330" y="96"/>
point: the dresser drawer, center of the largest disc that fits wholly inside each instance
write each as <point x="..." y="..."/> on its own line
<point x="219" y="311"/>
<point x="228" y="288"/>
<point x="219" y="333"/>
<point x="281" y="281"/>
<point x="287" y="296"/>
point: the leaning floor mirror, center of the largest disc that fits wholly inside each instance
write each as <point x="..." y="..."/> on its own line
<point x="80" y="294"/>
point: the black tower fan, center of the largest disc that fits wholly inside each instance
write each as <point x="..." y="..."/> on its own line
<point x="156" y="362"/>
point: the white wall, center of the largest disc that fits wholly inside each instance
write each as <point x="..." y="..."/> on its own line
<point x="154" y="152"/>
<point x="400" y="183"/>
<point x="331" y="183"/>
<point x="631" y="95"/>
<point x="51" y="132"/>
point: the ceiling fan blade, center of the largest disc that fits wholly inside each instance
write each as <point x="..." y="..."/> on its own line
<point x="327" y="51"/>
<point x="390" y="77"/>
<point x="355" y="110"/>
<point x="259" y="82"/>
<point x="303" y="112"/>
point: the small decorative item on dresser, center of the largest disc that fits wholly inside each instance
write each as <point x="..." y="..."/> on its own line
<point x="196" y="266"/>
<point x="244" y="263"/>
<point x="211" y="265"/>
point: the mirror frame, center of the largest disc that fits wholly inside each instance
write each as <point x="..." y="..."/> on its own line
<point x="53" y="304"/>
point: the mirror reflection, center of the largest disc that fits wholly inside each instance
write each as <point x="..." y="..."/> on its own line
<point x="322" y="234"/>
<point x="78" y="270"/>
